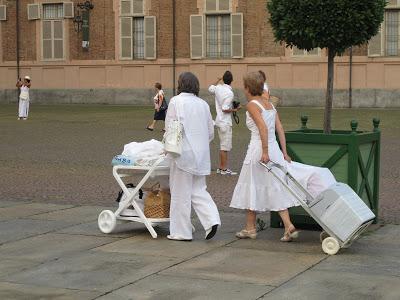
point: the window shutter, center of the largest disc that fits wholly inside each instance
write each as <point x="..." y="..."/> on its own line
<point x="237" y="35"/>
<point x="138" y="7"/>
<point x="68" y="10"/>
<point x="150" y="37"/>
<point x="126" y="37"/>
<point x="58" y="40"/>
<point x="196" y="36"/>
<point x="211" y="5"/>
<point x="3" y="13"/>
<point x="33" y="11"/>
<point x="224" y="5"/>
<point x="47" y="47"/>
<point x="375" y="44"/>
<point x="126" y="7"/>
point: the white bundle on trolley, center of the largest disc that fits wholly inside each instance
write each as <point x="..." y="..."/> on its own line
<point x="341" y="213"/>
<point x="145" y="158"/>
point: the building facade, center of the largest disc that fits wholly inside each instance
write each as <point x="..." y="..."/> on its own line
<point x="114" y="52"/>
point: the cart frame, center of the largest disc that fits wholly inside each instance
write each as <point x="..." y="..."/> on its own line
<point x="107" y="219"/>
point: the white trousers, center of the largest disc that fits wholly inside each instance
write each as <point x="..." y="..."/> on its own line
<point x="23" y="109"/>
<point x="189" y="190"/>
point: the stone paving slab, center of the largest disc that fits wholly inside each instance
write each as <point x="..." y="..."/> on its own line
<point x="78" y="214"/>
<point x="146" y="245"/>
<point x="11" y="266"/>
<point x="31" y="292"/>
<point x="246" y="265"/>
<point x="13" y="230"/>
<point x="168" y="287"/>
<point x="29" y="209"/>
<point x="93" y="270"/>
<point x="269" y="240"/>
<point x="49" y="246"/>
<point x="4" y="203"/>
<point x="124" y="230"/>
<point x="317" y="285"/>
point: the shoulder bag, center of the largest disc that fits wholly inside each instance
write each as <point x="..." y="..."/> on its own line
<point x="173" y="136"/>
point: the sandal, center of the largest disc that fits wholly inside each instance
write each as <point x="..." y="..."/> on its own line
<point x="290" y="235"/>
<point x="148" y="128"/>
<point x="247" y="234"/>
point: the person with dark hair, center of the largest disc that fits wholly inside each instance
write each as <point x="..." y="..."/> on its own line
<point x="188" y="171"/>
<point x="224" y="106"/>
<point x="257" y="189"/>
<point x="160" y="106"/>
<point x="23" y="105"/>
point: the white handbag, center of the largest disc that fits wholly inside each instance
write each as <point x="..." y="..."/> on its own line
<point x="173" y="136"/>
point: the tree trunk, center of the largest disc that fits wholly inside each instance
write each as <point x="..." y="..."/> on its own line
<point x="329" y="92"/>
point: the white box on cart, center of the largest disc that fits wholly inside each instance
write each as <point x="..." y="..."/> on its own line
<point x="341" y="210"/>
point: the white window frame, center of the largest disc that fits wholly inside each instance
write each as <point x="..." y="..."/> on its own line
<point x="388" y="7"/>
<point x="131" y="13"/>
<point x="62" y="20"/>
<point x="305" y="53"/>
<point x="217" y="11"/>
<point x="219" y="31"/>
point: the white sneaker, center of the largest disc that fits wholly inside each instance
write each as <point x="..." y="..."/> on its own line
<point x="228" y="172"/>
<point x="218" y="171"/>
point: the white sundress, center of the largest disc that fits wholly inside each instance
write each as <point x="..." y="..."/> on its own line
<point x="259" y="190"/>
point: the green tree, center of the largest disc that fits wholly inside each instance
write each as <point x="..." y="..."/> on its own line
<point x="332" y="24"/>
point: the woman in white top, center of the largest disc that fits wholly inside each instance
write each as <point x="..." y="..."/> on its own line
<point x="23" y="105"/>
<point x="188" y="171"/>
<point x="257" y="189"/>
<point x="160" y="106"/>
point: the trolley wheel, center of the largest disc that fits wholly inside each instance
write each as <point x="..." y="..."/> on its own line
<point x="330" y="245"/>
<point x="107" y="221"/>
<point x="323" y="235"/>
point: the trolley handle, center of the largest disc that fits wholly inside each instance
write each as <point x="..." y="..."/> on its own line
<point x="308" y="199"/>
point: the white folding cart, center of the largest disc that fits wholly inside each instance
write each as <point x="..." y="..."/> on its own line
<point x="107" y="219"/>
<point x="340" y="212"/>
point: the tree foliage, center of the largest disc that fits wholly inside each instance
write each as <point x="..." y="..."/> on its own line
<point x="333" y="24"/>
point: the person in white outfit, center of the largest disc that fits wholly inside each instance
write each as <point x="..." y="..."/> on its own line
<point x="23" y="105"/>
<point x="188" y="171"/>
<point x="257" y="189"/>
<point x="223" y="121"/>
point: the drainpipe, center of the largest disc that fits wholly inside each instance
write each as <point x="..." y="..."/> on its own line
<point x="173" y="48"/>
<point x="17" y="37"/>
<point x="350" y="78"/>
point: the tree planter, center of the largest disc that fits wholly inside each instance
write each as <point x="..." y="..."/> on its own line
<point x="352" y="156"/>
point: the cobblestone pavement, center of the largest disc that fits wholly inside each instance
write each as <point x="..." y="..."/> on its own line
<point x="62" y="154"/>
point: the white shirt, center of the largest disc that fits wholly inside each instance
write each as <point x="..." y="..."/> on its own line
<point x="198" y="132"/>
<point x="223" y="101"/>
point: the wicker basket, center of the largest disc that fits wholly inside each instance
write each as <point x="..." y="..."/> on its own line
<point x="157" y="204"/>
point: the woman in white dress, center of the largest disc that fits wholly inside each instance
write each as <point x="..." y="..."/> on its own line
<point x="23" y="105"/>
<point x="188" y="171"/>
<point x="257" y="189"/>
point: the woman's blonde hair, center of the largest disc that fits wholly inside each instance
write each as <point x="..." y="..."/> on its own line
<point x="254" y="82"/>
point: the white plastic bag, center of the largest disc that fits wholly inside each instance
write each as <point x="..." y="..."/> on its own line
<point x="173" y="136"/>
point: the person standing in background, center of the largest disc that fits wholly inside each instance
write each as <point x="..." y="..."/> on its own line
<point x="160" y="106"/>
<point x="23" y="105"/>
<point x="224" y="107"/>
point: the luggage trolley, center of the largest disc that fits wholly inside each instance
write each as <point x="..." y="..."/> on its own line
<point x="107" y="219"/>
<point x="341" y="213"/>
